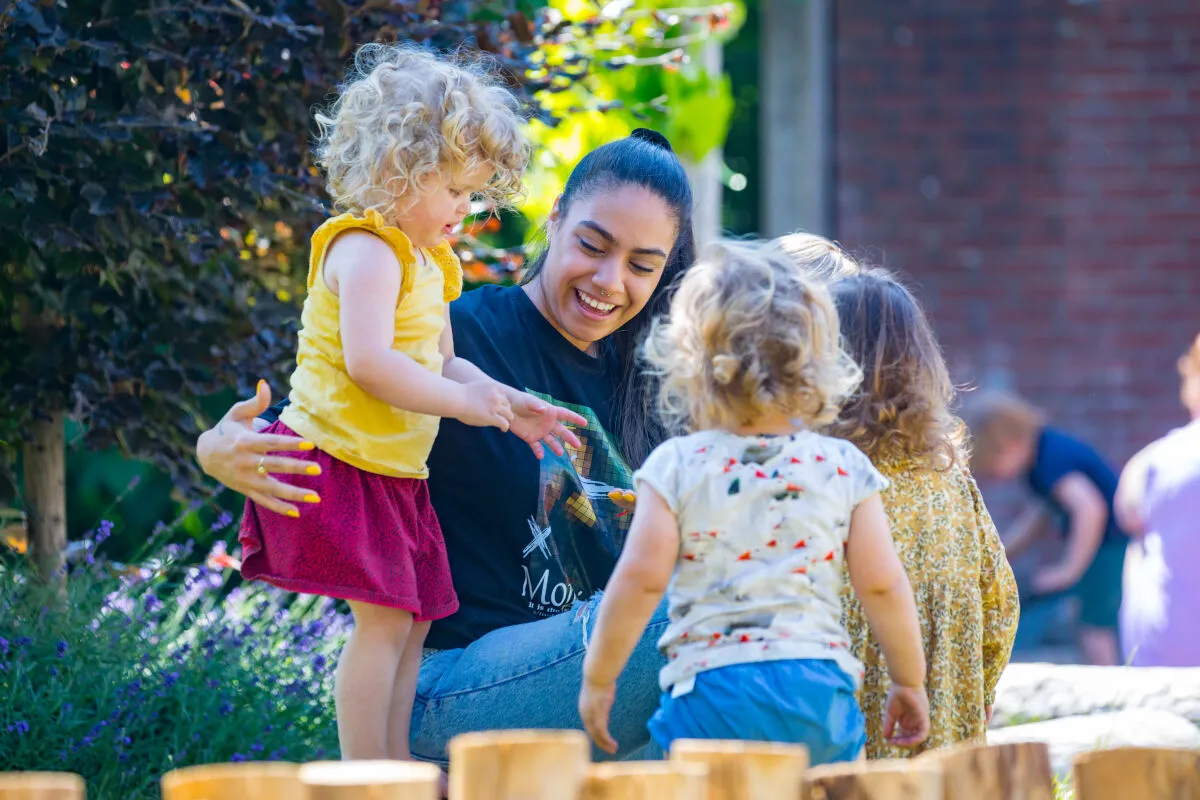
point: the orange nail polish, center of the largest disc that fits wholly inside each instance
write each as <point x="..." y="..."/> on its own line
<point x="311" y="498"/>
<point x="293" y="513"/>
<point x="306" y="446"/>
<point x="313" y="469"/>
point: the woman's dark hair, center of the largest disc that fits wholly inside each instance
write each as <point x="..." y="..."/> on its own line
<point x="645" y="159"/>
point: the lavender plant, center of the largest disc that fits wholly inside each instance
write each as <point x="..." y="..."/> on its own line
<point x="138" y="670"/>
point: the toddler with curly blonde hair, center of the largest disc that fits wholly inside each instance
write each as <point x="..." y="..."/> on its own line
<point x="406" y="145"/>
<point x="744" y="521"/>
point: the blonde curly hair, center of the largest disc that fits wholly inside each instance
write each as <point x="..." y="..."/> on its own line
<point x="821" y="258"/>
<point x="403" y="117"/>
<point x="902" y="411"/>
<point x="748" y="335"/>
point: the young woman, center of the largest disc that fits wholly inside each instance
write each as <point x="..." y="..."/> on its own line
<point x="526" y="539"/>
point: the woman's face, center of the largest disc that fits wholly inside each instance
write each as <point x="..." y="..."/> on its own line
<point x="605" y="258"/>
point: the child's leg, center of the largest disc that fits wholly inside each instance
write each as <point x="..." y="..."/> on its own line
<point x="1099" y="646"/>
<point x="366" y="674"/>
<point x="404" y="690"/>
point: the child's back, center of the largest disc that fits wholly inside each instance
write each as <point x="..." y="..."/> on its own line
<point x="763" y="523"/>
<point x="965" y="592"/>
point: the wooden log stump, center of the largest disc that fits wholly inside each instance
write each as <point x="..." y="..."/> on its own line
<point x="1016" y="771"/>
<point x="271" y="780"/>
<point x="42" y="786"/>
<point x="518" y="765"/>
<point x="370" y="780"/>
<point x="746" y="770"/>
<point x="1144" y="773"/>
<point x="875" y="780"/>
<point x="646" y="780"/>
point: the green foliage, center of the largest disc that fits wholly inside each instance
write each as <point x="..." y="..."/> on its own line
<point x="652" y="75"/>
<point x="162" y="187"/>
<point x="145" y="670"/>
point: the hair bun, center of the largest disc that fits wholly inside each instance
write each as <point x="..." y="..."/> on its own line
<point x="653" y="137"/>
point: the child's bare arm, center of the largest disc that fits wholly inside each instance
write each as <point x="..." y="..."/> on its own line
<point x="539" y="423"/>
<point x="366" y="275"/>
<point x="1088" y="515"/>
<point x="1130" y="490"/>
<point x="882" y="587"/>
<point x="637" y="586"/>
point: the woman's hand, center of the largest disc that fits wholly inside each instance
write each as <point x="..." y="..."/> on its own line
<point x="232" y="451"/>
<point x="623" y="499"/>
<point x="595" y="705"/>
<point x="539" y="423"/>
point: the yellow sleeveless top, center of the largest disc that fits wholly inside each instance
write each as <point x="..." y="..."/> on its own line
<point x="326" y="406"/>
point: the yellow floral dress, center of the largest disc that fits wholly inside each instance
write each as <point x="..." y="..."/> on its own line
<point x="966" y="599"/>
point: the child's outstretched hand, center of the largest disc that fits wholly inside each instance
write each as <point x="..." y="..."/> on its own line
<point x="595" y="704"/>
<point x="906" y="722"/>
<point x="485" y="404"/>
<point x="539" y="423"/>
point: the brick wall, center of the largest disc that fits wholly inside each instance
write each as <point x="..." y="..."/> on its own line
<point x="1034" y="168"/>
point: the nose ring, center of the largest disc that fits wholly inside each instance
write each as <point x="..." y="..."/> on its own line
<point x="604" y="293"/>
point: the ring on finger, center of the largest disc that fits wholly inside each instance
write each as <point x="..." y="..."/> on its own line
<point x="261" y="469"/>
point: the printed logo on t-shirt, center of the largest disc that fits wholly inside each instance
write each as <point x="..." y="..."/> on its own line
<point x="577" y="532"/>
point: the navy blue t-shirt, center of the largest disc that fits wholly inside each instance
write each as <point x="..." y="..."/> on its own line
<point x="1058" y="455"/>
<point x="525" y="538"/>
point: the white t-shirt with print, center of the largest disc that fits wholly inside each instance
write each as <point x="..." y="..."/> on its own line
<point x="763" y="524"/>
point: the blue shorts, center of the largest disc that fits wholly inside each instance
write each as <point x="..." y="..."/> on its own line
<point x="806" y="702"/>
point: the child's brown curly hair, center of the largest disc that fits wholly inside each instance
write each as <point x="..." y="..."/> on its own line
<point x="902" y="409"/>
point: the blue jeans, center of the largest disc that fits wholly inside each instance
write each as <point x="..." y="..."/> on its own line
<point x="529" y="676"/>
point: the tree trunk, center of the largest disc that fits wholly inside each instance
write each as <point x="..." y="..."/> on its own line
<point x="746" y="770"/>
<point x="900" y="779"/>
<point x="518" y="765"/>
<point x="46" y="495"/>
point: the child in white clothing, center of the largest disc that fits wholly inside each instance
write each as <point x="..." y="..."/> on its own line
<point x="745" y="523"/>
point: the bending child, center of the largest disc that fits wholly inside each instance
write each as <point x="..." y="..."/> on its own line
<point x="1071" y="479"/>
<point x="745" y="523"/>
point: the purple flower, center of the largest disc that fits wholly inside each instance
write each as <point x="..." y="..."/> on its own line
<point x="22" y="641"/>
<point x="61" y="647"/>
<point x="222" y="522"/>
<point x="172" y="679"/>
<point x="213" y="683"/>
<point x="21" y="727"/>
<point x="153" y="604"/>
<point x="3" y="646"/>
<point x="257" y="747"/>
<point x="106" y="529"/>
<point x="226" y="708"/>
<point x="238" y="757"/>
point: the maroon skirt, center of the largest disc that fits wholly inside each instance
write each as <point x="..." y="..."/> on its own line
<point x="372" y="539"/>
